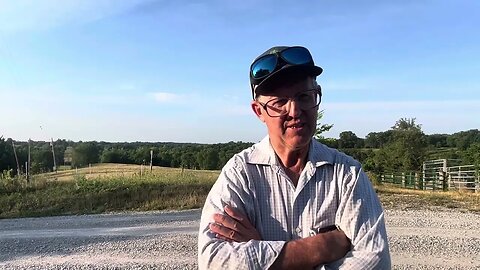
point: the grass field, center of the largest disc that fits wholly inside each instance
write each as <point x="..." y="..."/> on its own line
<point x="395" y="197"/>
<point x="119" y="187"/>
<point x="105" y="188"/>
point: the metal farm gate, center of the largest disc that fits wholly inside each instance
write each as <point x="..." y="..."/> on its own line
<point x="464" y="177"/>
<point x="439" y="174"/>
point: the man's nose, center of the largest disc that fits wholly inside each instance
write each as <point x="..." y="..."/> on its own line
<point x="294" y="110"/>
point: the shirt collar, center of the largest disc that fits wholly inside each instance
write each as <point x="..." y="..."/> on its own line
<point x="319" y="154"/>
<point x="263" y="154"/>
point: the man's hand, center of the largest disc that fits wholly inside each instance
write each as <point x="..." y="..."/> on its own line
<point x="234" y="226"/>
<point x="335" y="244"/>
<point x="310" y="252"/>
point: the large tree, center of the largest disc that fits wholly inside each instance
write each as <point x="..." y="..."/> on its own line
<point x="85" y="153"/>
<point x="41" y="158"/>
<point x="463" y="139"/>
<point x="407" y="149"/>
<point x="348" y="139"/>
<point x="472" y="154"/>
<point x="7" y="157"/>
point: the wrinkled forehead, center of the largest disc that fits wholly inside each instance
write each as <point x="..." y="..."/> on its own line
<point x="291" y="89"/>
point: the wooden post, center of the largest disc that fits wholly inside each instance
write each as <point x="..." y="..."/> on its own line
<point x="54" y="161"/>
<point x="151" y="160"/>
<point x="477" y="185"/>
<point x="16" y="159"/>
<point x="27" y="168"/>
<point x="449" y="183"/>
<point x="416" y="184"/>
<point x="423" y="175"/>
<point x="403" y="179"/>
<point x="444" y="181"/>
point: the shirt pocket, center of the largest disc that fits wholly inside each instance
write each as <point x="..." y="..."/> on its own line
<point x="323" y="207"/>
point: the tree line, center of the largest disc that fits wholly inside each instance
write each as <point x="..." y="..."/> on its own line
<point x="81" y="154"/>
<point x="403" y="147"/>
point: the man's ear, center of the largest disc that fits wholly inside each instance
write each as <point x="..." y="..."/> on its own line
<point x="257" y="109"/>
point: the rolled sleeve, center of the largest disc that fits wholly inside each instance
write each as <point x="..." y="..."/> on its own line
<point x="214" y="253"/>
<point x="361" y="217"/>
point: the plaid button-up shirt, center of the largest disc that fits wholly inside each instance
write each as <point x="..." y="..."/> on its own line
<point x="332" y="190"/>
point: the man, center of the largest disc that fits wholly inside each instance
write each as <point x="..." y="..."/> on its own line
<point x="290" y="202"/>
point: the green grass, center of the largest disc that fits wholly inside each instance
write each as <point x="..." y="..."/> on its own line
<point x="164" y="188"/>
<point x="116" y="187"/>
<point x="394" y="197"/>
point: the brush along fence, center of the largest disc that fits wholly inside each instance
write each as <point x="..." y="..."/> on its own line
<point x="437" y="175"/>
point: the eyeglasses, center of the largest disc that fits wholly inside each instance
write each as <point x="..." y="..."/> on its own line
<point x="269" y="63"/>
<point x="305" y="100"/>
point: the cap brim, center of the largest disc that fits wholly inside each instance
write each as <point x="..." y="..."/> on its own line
<point x="284" y="75"/>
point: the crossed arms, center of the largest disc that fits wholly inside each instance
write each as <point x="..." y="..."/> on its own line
<point x="234" y="237"/>
<point x="305" y="253"/>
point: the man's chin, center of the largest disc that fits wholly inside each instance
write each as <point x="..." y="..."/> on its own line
<point x="298" y="142"/>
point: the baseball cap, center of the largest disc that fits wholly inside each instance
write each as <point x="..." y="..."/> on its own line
<point x="279" y="65"/>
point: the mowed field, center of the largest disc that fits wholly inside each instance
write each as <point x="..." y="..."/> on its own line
<point x="109" y="170"/>
<point x="105" y="188"/>
<point x="391" y="195"/>
<point x="102" y="188"/>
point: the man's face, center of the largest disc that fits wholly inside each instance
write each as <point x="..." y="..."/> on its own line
<point x="295" y="129"/>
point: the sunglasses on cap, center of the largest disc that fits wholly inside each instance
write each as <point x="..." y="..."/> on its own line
<point x="267" y="64"/>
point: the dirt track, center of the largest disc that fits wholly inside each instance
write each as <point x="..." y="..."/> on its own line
<point x="419" y="239"/>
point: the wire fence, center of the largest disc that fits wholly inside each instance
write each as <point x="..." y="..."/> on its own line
<point x="463" y="177"/>
<point x="436" y="175"/>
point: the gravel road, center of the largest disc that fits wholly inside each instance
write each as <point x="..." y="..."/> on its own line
<point x="419" y="239"/>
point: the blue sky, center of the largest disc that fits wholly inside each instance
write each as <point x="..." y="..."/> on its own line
<point x="146" y="70"/>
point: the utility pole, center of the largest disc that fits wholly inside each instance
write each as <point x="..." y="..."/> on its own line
<point x="28" y="165"/>
<point x="151" y="160"/>
<point x="54" y="161"/>
<point x="16" y="158"/>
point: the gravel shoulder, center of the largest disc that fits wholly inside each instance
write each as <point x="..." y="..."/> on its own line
<point x="434" y="239"/>
<point x="438" y="238"/>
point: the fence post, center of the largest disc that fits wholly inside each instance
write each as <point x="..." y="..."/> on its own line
<point x="415" y="181"/>
<point x="424" y="170"/>
<point x="403" y="179"/>
<point x="477" y="185"/>
<point x="423" y="182"/>
<point x="449" y="176"/>
<point x="444" y="181"/>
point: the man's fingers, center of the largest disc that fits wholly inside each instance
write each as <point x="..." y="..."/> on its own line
<point x="223" y="237"/>
<point x="225" y="233"/>
<point x="234" y="213"/>
<point x="228" y="222"/>
<point x="234" y="225"/>
<point x="237" y="215"/>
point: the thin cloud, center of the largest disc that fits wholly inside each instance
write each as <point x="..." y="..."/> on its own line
<point x="412" y="106"/>
<point x="205" y="105"/>
<point x="165" y="97"/>
<point x="28" y="15"/>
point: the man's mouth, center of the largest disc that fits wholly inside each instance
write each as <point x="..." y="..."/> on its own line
<point x="296" y="126"/>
